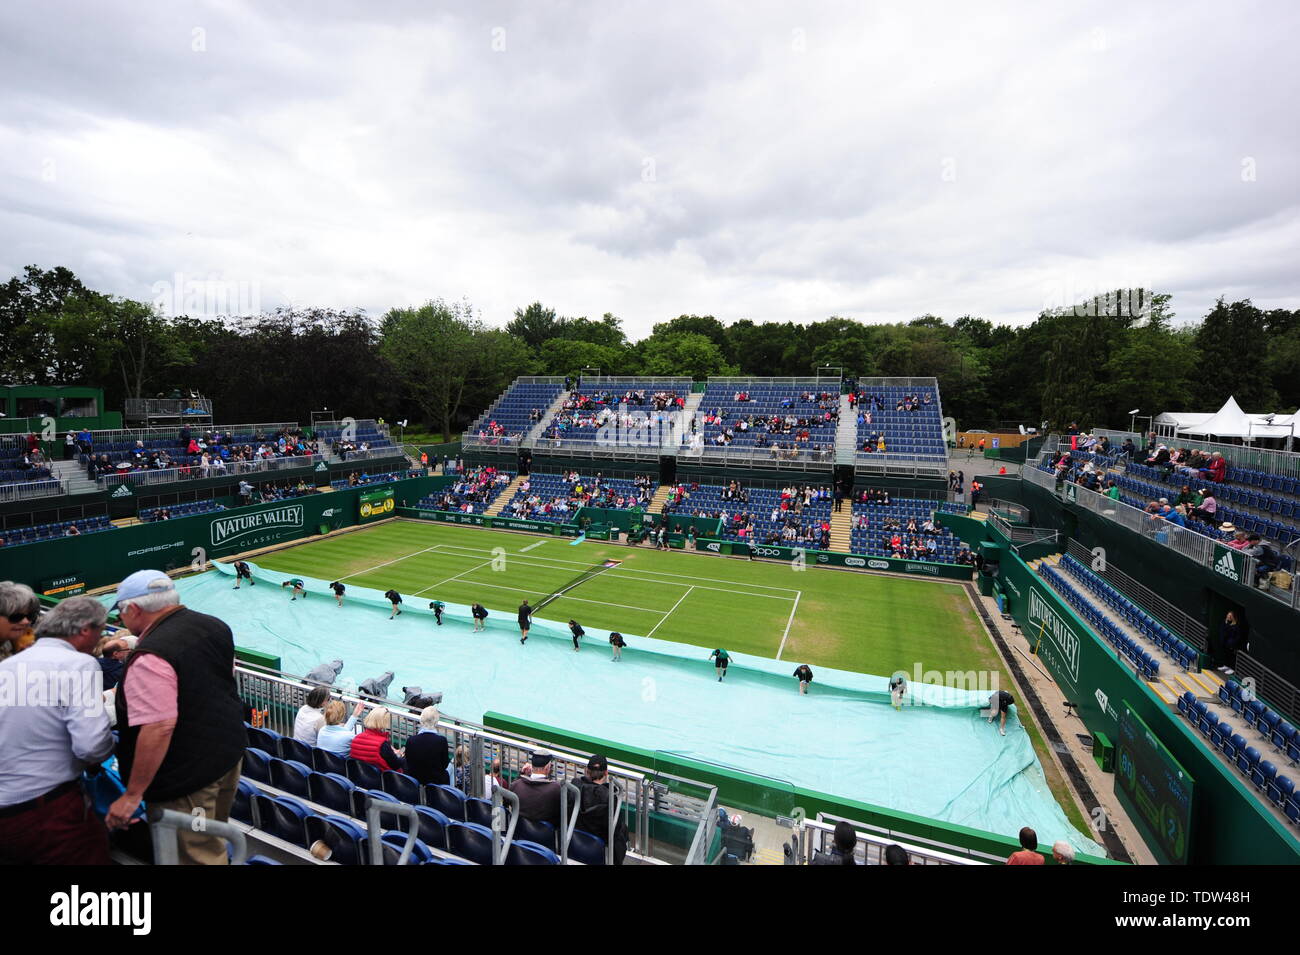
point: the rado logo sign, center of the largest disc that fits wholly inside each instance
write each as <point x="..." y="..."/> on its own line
<point x="230" y="529"/>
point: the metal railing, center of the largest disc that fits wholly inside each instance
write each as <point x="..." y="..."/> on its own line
<point x="1020" y="534"/>
<point x="1185" y="625"/>
<point x="25" y="490"/>
<point x="369" y="454"/>
<point x="801" y="459"/>
<point x="167" y="407"/>
<point x="1242" y="456"/>
<point x="899" y="383"/>
<point x="1186" y="542"/>
<point x="818" y="836"/>
<point x="493" y="442"/>
<point x="278" y="697"/>
<point x="813" y="382"/>
<point x="199" y="473"/>
<point x="146" y="435"/>
<point x="1274" y="689"/>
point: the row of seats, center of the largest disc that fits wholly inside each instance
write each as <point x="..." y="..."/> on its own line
<point x="916" y="433"/>
<point x="766" y="401"/>
<point x="1251" y="523"/>
<point x="44" y="532"/>
<point x="1262" y="773"/>
<point x="1151" y="628"/>
<point x="23" y="475"/>
<point x="513" y="408"/>
<point x="1259" y="500"/>
<point x="547" y="487"/>
<point x="346" y="786"/>
<point x="459" y="499"/>
<point x="1144" y="662"/>
<point x="187" y="509"/>
<point x="368" y="479"/>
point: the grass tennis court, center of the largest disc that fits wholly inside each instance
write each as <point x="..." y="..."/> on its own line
<point x="867" y="623"/>
<point x="851" y="621"/>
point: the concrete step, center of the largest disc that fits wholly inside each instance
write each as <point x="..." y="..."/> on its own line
<point x="548" y="414"/>
<point x="505" y="497"/>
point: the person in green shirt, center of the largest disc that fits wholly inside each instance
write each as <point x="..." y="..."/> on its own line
<point x="297" y="585"/>
<point x="720" y="660"/>
<point x="437" y="606"/>
<point x="1112" y="492"/>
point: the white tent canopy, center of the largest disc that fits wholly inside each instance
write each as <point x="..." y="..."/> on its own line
<point x="1230" y="422"/>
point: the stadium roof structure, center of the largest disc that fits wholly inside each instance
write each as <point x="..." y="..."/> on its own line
<point x="1229" y="422"/>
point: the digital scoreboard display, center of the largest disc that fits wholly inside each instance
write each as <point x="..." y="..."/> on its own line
<point x="1155" y="790"/>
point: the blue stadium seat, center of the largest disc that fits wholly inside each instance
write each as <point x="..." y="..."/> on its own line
<point x="261" y="860"/>
<point x="1280" y="790"/>
<point x="405" y="788"/>
<point x="242" y="809"/>
<point x="432" y="826"/>
<point x="345" y="837"/>
<point x="360" y="797"/>
<point x="1219" y="734"/>
<point x="480" y="811"/>
<point x="470" y="841"/>
<point x="365" y="775"/>
<point x="1247" y="759"/>
<point x="1233" y="745"/>
<point x="291" y="776"/>
<point x="586" y="848"/>
<point x="290" y="748"/>
<point x="268" y="741"/>
<point x="541" y="833"/>
<point x="448" y="800"/>
<point x="283" y="817"/>
<point x="530" y="853"/>
<point x="393" y="841"/>
<point x="257" y="765"/>
<point x="1262" y="775"/>
<point x="323" y="761"/>
<point x="331" y="790"/>
<point x="1281" y="734"/>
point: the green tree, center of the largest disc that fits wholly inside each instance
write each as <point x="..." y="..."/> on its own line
<point x="533" y="325"/>
<point x="683" y="353"/>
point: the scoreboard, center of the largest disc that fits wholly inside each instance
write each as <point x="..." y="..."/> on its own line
<point x="1155" y="790"/>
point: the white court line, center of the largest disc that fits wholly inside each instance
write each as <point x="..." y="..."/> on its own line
<point x="450" y="579"/>
<point x="669" y="614"/>
<point x="387" y="562"/>
<point x="735" y="587"/>
<point x="588" y="600"/>
<point x="524" y="550"/>
<point x="787" y="625"/>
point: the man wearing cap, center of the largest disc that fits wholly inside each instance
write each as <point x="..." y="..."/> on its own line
<point x="54" y="728"/>
<point x="539" y="794"/>
<point x="594" y="791"/>
<point x="178" y="713"/>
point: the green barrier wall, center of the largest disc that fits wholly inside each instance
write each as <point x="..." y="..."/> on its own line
<point x="480" y="520"/>
<point x="103" y="559"/>
<point x="833" y="559"/>
<point x="1230" y="825"/>
<point x="749" y="792"/>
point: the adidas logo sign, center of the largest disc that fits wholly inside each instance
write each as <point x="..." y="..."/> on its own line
<point x="123" y="490"/>
<point x="1227" y="567"/>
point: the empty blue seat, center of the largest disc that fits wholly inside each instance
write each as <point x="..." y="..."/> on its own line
<point x="470" y="841"/>
<point x="530" y="853"/>
<point x="448" y="800"/>
<point x="360" y="798"/>
<point x="283" y="817"/>
<point x="393" y="841"/>
<point x="480" y="811"/>
<point x="365" y="775"/>
<point x="261" y="860"/>
<point x="291" y="776"/>
<point x="332" y="790"/>
<point x="405" y="788"/>
<point x="290" y="748"/>
<point x="257" y="765"/>
<point x="268" y="741"/>
<point x="1262" y="774"/>
<point x="1247" y="759"/>
<point x="542" y="833"/>
<point x="323" y="761"/>
<point x="1281" y="734"/>
<point x="242" y="808"/>
<point x="432" y="826"/>
<point x="1280" y="790"/>
<point x="1232" y="745"/>
<point x="1220" y="733"/>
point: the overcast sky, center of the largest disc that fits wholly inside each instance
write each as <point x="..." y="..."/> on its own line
<point x="746" y="160"/>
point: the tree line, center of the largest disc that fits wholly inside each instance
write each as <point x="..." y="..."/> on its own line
<point x="441" y="365"/>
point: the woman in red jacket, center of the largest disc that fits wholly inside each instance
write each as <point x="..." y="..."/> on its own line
<point x="371" y="745"/>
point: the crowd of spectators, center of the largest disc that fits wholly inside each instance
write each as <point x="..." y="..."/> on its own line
<point x="213" y="453"/>
<point x="579" y="493"/>
<point x="473" y="491"/>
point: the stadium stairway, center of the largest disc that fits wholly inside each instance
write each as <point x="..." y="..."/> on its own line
<point x="846" y="433"/>
<point x="74" y="473"/>
<point x="535" y="433"/>
<point x="505" y="496"/>
<point x="693" y="402"/>
<point x="662" y="493"/>
<point x="842" y="529"/>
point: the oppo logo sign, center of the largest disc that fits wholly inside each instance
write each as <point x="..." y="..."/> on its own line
<point x="854" y="562"/>
<point x="877" y="564"/>
<point x="767" y="552"/>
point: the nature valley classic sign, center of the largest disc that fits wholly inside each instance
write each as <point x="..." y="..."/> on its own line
<point x="374" y="505"/>
<point x="257" y="528"/>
